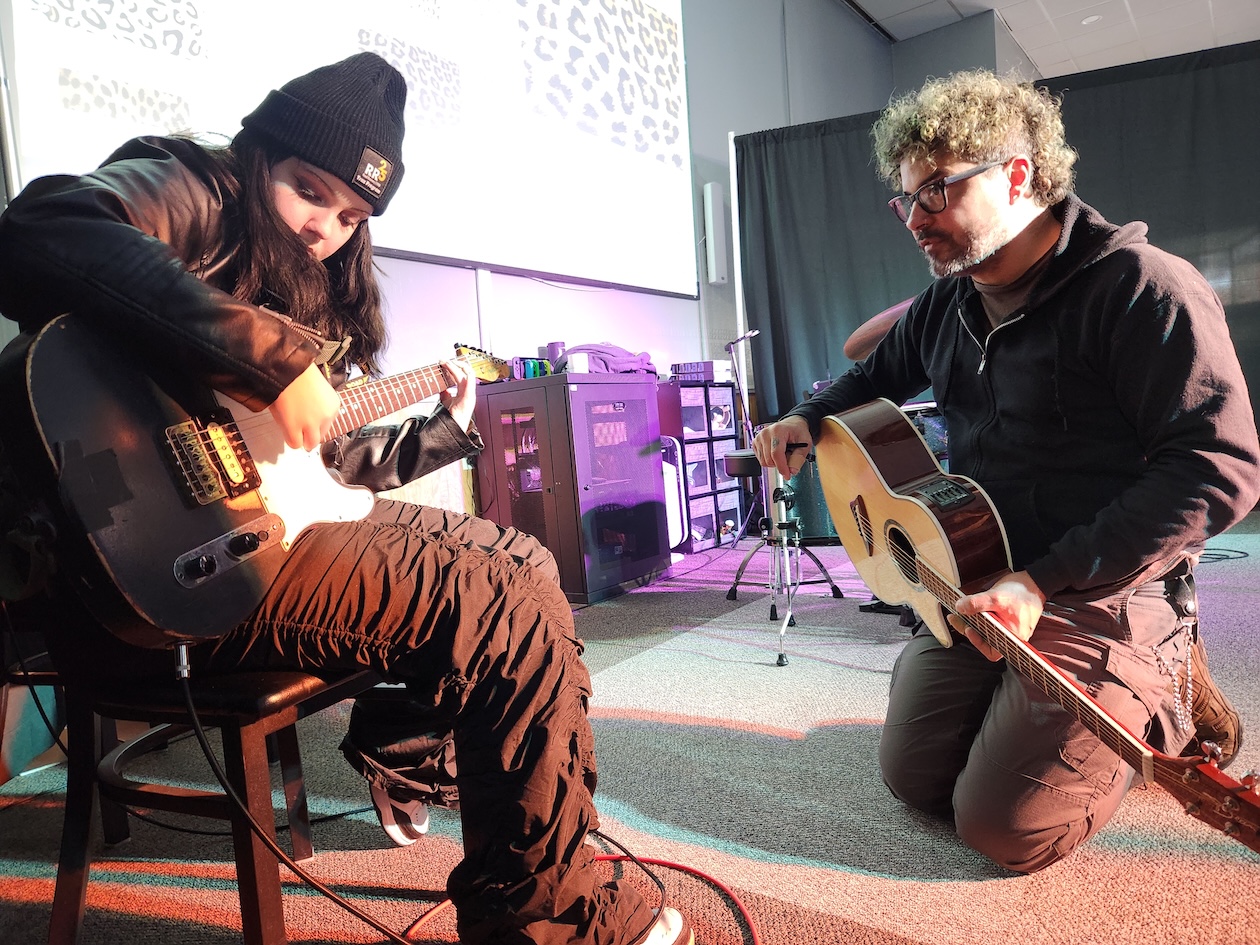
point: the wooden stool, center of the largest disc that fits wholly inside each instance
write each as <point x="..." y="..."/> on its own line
<point x="246" y="707"/>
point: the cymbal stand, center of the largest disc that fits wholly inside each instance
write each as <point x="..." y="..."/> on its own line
<point x="782" y="535"/>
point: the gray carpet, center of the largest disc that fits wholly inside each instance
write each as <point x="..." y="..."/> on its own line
<point x="756" y="783"/>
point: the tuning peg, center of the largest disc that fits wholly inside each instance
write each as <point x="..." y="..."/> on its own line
<point x="1211" y="752"/>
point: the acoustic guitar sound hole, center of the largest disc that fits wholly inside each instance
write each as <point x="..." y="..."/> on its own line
<point x="903" y="554"/>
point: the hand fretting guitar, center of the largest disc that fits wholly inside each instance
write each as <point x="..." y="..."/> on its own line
<point x="188" y="501"/>
<point x="919" y="536"/>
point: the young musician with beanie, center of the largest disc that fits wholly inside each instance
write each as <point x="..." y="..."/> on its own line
<point x="249" y="267"/>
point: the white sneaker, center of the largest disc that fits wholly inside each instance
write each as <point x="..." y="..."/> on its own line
<point x="404" y="821"/>
<point x="671" y="928"/>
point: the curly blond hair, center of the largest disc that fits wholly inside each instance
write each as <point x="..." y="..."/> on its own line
<point x="977" y="116"/>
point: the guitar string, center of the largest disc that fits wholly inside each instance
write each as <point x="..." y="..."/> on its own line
<point x="1052" y="682"/>
<point x="1179" y="776"/>
<point x="398" y="383"/>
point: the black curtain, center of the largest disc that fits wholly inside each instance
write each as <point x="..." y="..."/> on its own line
<point x="1174" y="142"/>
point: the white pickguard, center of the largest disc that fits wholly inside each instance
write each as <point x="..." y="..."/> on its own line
<point x="296" y="485"/>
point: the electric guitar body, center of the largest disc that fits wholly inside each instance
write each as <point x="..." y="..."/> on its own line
<point x="176" y="505"/>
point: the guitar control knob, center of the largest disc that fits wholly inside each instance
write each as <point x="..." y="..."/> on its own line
<point x="243" y="544"/>
<point x="201" y="566"/>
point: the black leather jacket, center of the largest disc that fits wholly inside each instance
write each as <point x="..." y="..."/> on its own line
<point x="145" y="247"/>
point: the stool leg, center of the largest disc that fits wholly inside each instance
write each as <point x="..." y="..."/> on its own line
<point x="70" y="894"/>
<point x="257" y="870"/>
<point x="114" y="824"/>
<point x="295" y="793"/>
<point x="835" y="590"/>
<point x="732" y="594"/>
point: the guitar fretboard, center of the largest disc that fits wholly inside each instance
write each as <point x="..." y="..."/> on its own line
<point x="1027" y="661"/>
<point x="1032" y="665"/>
<point x="371" y="400"/>
<point x="873" y="466"/>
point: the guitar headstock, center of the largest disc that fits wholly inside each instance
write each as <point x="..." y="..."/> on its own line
<point x="1206" y="792"/>
<point x="485" y="366"/>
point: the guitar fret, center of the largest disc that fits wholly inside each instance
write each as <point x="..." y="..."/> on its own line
<point x="371" y="400"/>
<point x="855" y="489"/>
<point x="1047" y="679"/>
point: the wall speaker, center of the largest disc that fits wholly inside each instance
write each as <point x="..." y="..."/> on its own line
<point x="715" y="232"/>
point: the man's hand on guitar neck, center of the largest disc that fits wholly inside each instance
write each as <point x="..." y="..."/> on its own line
<point x="784" y="445"/>
<point x="305" y="410"/>
<point x="1015" y="601"/>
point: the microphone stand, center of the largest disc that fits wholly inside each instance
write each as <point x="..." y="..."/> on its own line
<point x="746" y="426"/>
<point x="742" y="386"/>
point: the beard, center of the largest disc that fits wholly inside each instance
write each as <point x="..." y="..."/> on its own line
<point x="955" y="258"/>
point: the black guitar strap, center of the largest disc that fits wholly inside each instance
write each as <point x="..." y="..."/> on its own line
<point x="330" y="352"/>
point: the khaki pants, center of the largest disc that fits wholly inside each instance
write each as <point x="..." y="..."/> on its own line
<point x="1024" y="782"/>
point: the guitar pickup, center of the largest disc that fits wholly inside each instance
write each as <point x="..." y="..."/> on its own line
<point x="210" y="458"/>
<point x="944" y="493"/>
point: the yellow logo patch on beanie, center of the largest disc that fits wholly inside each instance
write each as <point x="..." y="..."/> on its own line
<point x="373" y="173"/>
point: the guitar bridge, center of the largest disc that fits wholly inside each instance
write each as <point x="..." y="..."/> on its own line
<point x="211" y="459"/>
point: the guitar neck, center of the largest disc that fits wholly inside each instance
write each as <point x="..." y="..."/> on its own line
<point x="876" y="468"/>
<point x="364" y="402"/>
<point x="1032" y="665"/>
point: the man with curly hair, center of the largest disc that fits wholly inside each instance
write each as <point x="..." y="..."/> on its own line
<point x="1088" y="382"/>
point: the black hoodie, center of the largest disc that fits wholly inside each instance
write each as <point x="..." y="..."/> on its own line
<point x="1108" y="419"/>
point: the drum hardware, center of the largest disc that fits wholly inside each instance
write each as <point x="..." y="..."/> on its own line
<point x="781" y="536"/>
<point x="871" y="332"/>
<point x="746" y="420"/>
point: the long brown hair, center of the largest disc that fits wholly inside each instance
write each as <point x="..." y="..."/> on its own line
<point x="338" y="297"/>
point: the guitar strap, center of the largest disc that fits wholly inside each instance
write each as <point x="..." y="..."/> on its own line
<point x="330" y="352"/>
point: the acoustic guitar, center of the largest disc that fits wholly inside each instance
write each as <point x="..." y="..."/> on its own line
<point x="920" y="536"/>
<point x="176" y="504"/>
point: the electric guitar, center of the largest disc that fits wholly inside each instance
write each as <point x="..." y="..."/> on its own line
<point x="178" y="503"/>
<point x="920" y="536"/>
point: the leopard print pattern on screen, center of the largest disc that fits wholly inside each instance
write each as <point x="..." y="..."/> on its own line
<point x="612" y="68"/>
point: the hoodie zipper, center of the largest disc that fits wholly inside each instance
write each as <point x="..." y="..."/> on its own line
<point x="984" y="345"/>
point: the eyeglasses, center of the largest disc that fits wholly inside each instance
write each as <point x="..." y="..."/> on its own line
<point x="931" y="196"/>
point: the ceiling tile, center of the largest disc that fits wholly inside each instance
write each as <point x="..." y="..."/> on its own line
<point x="1098" y="40"/>
<point x="1184" y="15"/>
<point x="1022" y="15"/>
<point x="1051" y="70"/>
<point x="1051" y="32"/>
<point x="968" y="8"/>
<point x="922" y="19"/>
<point x="1190" y="38"/>
<point x="1035" y="37"/>
<point x="1054" y="52"/>
<point x="1111" y="13"/>
<point x="1147" y="7"/>
<point x="883" y="9"/>
<point x="1058" y="8"/>
<point x="1237" y="22"/>
<point x="1108" y="56"/>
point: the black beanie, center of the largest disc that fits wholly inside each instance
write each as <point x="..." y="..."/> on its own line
<point x="346" y="119"/>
